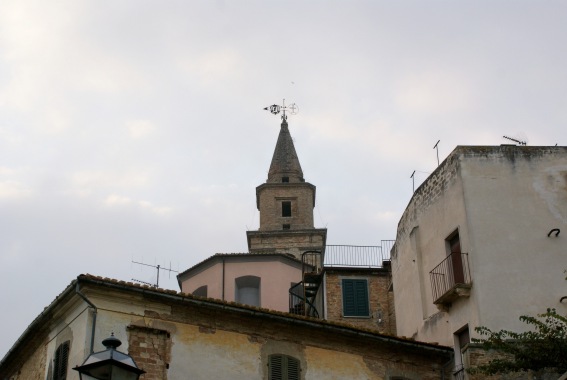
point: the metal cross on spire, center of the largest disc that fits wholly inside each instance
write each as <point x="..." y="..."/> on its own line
<point x="276" y="109"/>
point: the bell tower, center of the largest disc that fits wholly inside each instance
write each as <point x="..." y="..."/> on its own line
<point x="286" y="203"/>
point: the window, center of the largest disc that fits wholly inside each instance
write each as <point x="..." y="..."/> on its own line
<point x="248" y="290"/>
<point x="286" y="226"/>
<point x="60" y="361"/>
<point x="285" y="179"/>
<point x="286" y="209"/>
<point x="355" y="298"/>
<point x="200" y="291"/>
<point x="283" y="367"/>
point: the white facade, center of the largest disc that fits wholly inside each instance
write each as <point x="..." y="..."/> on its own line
<point x="502" y="202"/>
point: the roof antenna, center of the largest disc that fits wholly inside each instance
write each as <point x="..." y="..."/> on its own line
<point x="413" y="181"/>
<point x="515" y="140"/>
<point x="275" y="109"/>
<point x="437" y="148"/>
<point x="158" y="267"/>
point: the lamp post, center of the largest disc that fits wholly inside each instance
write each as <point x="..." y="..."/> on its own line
<point x="109" y="364"/>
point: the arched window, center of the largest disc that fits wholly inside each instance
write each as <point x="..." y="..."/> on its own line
<point x="247" y="290"/>
<point x="283" y="367"/>
<point x="60" y="361"/>
<point x="200" y="291"/>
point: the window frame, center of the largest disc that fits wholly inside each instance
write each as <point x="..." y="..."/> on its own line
<point x="355" y="297"/>
<point x="247" y="282"/>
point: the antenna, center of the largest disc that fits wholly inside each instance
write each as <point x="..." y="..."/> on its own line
<point x="158" y="267"/>
<point x="437" y="148"/>
<point x="293" y="109"/>
<point x="515" y="140"/>
<point x="413" y="181"/>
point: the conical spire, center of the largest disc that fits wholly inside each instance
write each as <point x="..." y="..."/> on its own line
<point x="285" y="163"/>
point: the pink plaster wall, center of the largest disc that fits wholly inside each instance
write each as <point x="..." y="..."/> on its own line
<point x="276" y="276"/>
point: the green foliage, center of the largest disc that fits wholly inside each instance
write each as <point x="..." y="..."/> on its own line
<point x="544" y="347"/>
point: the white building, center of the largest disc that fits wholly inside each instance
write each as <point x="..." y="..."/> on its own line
<point x="479" y="244"/>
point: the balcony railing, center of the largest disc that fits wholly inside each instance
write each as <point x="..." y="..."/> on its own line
<point x="358" y="255"/>
<point x="451" y="278"/>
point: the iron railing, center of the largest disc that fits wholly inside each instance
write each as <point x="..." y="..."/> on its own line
<point x="358" y="255"/>
<point x="452" y="271"/>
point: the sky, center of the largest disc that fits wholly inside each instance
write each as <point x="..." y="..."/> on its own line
<point x="135" y="130"/>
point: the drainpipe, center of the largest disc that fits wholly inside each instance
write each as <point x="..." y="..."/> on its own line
<point x="95" y="311"/>
<point x="223" y="279"/>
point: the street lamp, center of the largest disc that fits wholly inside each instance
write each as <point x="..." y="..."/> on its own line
<point x="109" y="364"/>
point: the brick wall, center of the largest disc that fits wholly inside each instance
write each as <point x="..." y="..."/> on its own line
<point x="382" y="317"/>
<point x="151" y="350"/>
<point x="270" y="197"/>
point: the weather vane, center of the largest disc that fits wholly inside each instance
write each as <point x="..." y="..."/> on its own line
<point x="276" y="109"/>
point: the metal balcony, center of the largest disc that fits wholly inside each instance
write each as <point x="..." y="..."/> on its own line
<point x="357" y="256"/>
<point x="451" y="279"/>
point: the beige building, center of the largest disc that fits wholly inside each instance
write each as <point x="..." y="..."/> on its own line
<point x="479" y="244"/>
<point x="177" y="336"/>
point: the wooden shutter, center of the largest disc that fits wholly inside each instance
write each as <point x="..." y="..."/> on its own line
<point x="355" y="298"/>
<point x="61" y="360"/>
<point x="283" y="367"/>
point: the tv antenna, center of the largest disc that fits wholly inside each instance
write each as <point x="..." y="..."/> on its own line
<point x="515" y="140"/>
<point x="436" y="147"/>
<point x="158" y="268"/>
<point x="275" y="109"/>
<point x="413" y="181"/>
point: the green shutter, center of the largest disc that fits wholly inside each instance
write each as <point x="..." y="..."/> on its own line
<point x="355" y="298"/>
<point x="283" y="367"/>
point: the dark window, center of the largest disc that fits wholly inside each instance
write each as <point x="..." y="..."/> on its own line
<point x="283" y="367"/>
<point x="286" y="208"/>
<point x="60" y="362"/>
<point x="286" y="226"/>
<point x="285" y="179"/>
<point x="200" y="291"/>
<point x="355" y="298"/>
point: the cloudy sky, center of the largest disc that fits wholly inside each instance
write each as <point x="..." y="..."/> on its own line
<point x="134" y="130"/>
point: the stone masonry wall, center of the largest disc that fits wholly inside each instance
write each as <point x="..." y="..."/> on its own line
<point x="473" y="356"/>
<point x="381" y="318"/>
<point x="151" y="350"/>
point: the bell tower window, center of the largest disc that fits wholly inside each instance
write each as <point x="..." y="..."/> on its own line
<point x="286" y="209"/>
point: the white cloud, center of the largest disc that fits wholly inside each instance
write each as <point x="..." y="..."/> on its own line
<point x="114" y="199"/>
<point x="433" y="92"/>
<point x="10" y="189"/>
<point x="140" y="128"/>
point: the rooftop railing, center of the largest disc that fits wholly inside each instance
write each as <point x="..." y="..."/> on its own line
<point x="358" y="256"/>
